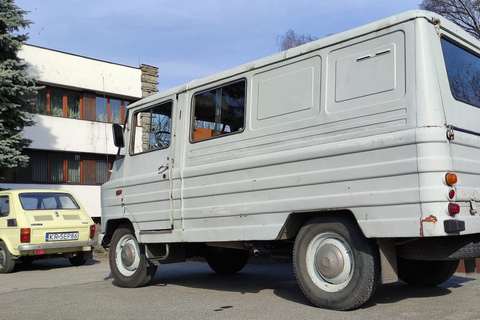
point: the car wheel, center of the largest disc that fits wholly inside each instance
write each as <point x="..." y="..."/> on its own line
<point x="425" y="273"/>
<point x="6" y="262"/>
<point x="226" y="260"/>
<point x="335" y="265"/>
<point x="128" y="263"/>
<point x="78" y="260"/>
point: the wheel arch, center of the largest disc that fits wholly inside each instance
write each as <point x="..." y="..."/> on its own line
<point x="111" y="226"/>
<point x="296" y="220"/>
<point x="10" y="247"/>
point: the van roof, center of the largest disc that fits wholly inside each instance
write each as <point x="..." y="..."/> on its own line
<point x="315" y="45"/>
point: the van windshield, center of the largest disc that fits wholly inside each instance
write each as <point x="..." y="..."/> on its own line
<point x="463" y="69"/>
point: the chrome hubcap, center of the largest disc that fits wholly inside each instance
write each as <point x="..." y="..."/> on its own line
<point x="128" y="255"/>
<point x="329" y="261"/>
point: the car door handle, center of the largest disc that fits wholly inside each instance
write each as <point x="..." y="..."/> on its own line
<point x="162" y="168"/>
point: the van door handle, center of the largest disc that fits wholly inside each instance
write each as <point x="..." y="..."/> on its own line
<point x="162" y="168"/>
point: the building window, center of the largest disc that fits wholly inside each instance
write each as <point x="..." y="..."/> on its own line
<point x="73" y="168"/>
<point x="115" y="111"/>
<point x="102" y="109"/>
<point x="64" y="167"/>
<point x="56" y="161"/>
<point x="73" y="105"/>
<point x="56" y="102"/>
<point x="69" y="104"/>
<point x="219" y="111"/>
<point x="40" y="106"/>
<point x="110" y="110"/>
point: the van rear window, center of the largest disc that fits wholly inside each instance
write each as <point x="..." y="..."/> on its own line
<point x="463" y="69"/>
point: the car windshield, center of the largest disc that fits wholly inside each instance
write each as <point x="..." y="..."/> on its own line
<point x="47" y="201"/>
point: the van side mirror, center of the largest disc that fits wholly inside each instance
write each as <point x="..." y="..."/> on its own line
<point x="118" y="136"/>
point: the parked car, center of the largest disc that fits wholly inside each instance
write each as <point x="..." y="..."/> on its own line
<point x="43" y="224"/>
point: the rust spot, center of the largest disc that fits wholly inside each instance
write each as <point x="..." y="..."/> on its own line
<point x="430" y="218"/>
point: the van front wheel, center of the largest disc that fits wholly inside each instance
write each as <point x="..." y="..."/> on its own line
<point x="335" y="265"/>
<point x="128" y="263"/>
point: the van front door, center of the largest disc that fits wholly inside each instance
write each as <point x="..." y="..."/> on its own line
<point x="147" y="182"/>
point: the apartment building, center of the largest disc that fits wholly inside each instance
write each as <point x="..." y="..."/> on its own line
<point x="73" y="112"/>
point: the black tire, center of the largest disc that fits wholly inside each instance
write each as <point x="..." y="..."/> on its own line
<point x="6" y="262"/>
<point x="336" y="266"/>
<point x="426" y="273"/>
<point x="78" y="260"/>
<point x="27" y="259"/>
<point x="227" y="260"/>
<point x="128" y="263"/>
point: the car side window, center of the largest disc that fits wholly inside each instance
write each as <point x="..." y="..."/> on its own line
<point x="4" y="206"/>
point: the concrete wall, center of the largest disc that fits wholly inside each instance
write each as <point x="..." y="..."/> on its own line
<point x="68" y="70"/>
<point x="64" y="134"/>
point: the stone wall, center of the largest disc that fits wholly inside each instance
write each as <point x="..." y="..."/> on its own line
<point x="149" y="80"/>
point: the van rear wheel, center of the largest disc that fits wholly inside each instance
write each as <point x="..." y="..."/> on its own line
<point x="336" y="266"/>
<point x="128" y="263"/>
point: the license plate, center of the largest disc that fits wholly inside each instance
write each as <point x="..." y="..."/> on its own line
<point x="61" y="236"/>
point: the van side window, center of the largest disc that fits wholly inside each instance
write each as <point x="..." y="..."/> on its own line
<point x="462" y="69"/>
<point x="218" y="111"/>
<point x="152" y="128"/>
<point x="4" y="206"/>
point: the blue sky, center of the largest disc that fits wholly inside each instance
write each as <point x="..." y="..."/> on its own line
<point x="189" y="39"/>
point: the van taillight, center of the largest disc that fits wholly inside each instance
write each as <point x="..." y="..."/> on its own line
<point x="25" y="235"/>
<point x="92" y="231"/>
<point x="451" y="194"/>
<point x="453" y="208"/>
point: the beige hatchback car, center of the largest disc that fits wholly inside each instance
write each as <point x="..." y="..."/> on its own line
<point x="42" y="224"/>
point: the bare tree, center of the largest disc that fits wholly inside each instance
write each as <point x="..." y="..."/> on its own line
<point x="291" y="40"/>
<point x="465" y="13"/>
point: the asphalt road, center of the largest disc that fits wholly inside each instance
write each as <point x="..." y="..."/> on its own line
<point x="53" y="289"/>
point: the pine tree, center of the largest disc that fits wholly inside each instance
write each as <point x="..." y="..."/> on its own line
<point x="15" y="88"/>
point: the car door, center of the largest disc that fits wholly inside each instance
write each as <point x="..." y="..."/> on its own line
<point x="147" y="183"/>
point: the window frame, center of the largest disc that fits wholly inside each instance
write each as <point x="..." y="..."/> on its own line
<point x="135" y="123"/>
<point x="80" y="116"/>
<point x="5" y="214"/>
<point x="192" y="110"/>
<point x="467" y="50"/>
<point x="41" y="196"/>
<point x="85" y="160"/>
